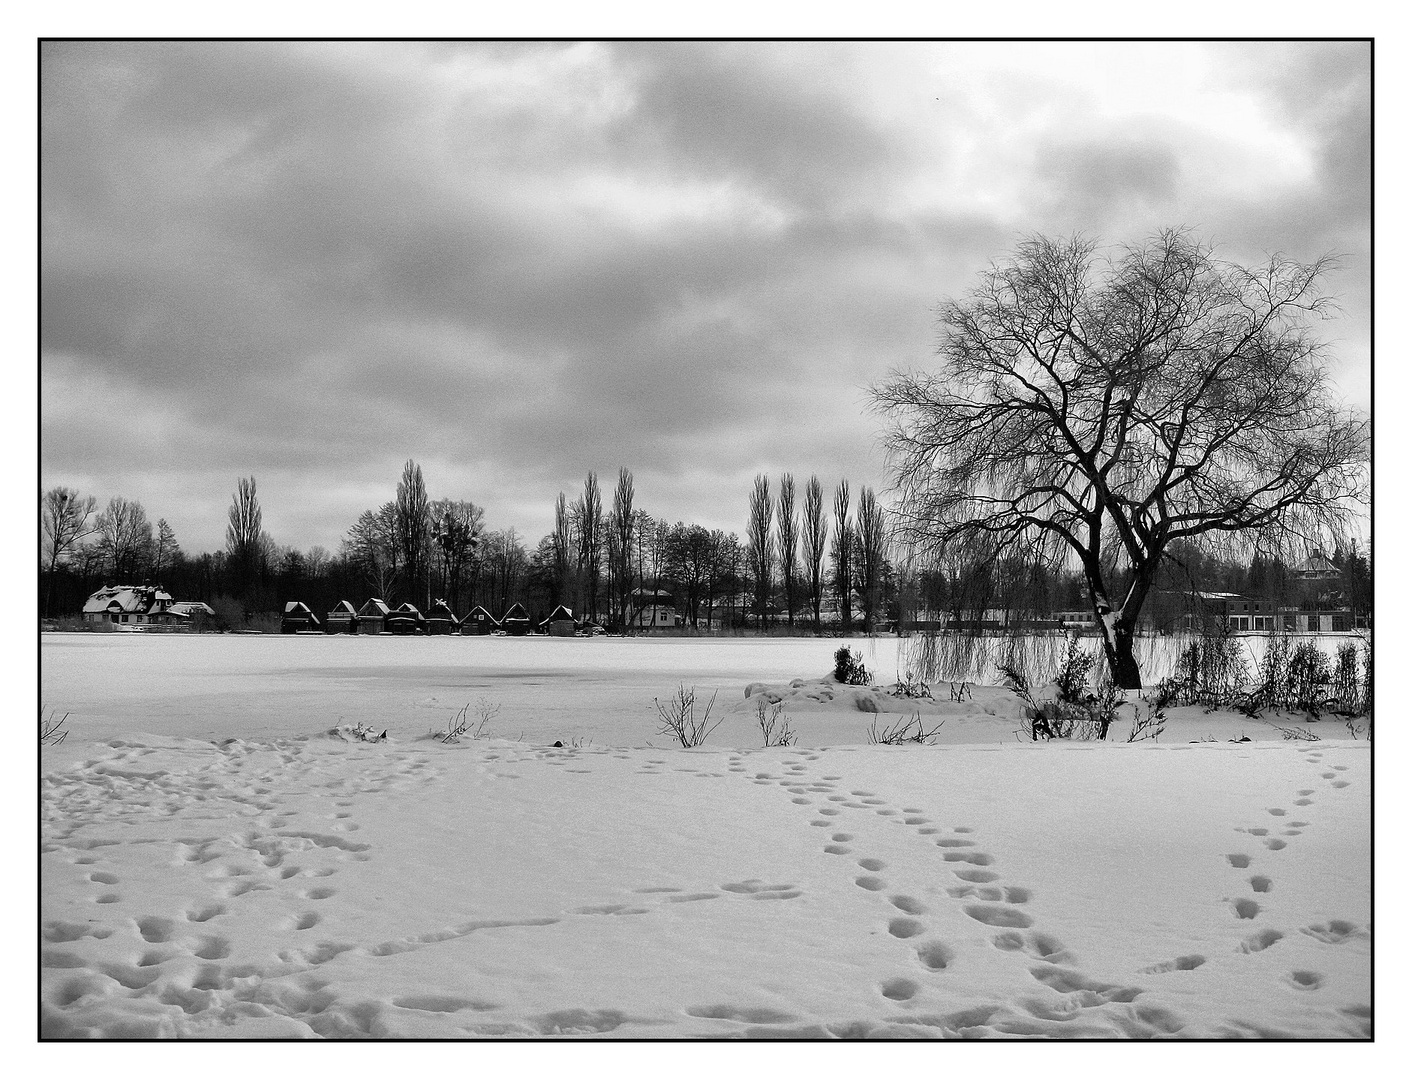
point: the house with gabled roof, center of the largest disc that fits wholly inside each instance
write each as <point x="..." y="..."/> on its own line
<point x="406" y="619"/>
<point x="479" y="621"/>
<point x="560" y="623"/>
<point x="441" y="619"/>
<point x="372" y="617"/>
<point x="297" y="618"/>
<point x="516" y="620"/>
<point x="342" y="619"/>
<point x="132" y="604"/>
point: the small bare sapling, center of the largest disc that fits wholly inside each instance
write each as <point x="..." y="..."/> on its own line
<point x="679" y="718"/>
<point x="485" y="711"/>
<point x="774" y="723"/>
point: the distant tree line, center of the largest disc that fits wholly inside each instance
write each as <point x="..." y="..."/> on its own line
<point x="806" y="565"/>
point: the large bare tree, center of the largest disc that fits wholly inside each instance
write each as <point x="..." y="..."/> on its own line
<point x="243" y="534"/>
<point x="1097" y="411"/>
<point x="843" y="556"/>
<point x="125" y="535"/>
<point x="414" y="532"/>
<point x="871" y="553"/>
<point x="621" y="523"/>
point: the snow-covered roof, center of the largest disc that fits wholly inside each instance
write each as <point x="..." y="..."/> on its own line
<point x="128" y="599"/>
<point x="296" y="607"/>
<point x="343" y="607"/>
<point x="373" y="607"/>
<point x="191" y="607"/>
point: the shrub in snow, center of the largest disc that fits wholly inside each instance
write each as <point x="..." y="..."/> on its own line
<point x="679" y="717"/>
<point x="359" y="732"/>
<point x="1309" y="678"/>
<point x="774" y="723"/>
<point x="908" y="729"/>
<point x="848" y="667"/>
<point x="458" y="725"/>
<point x="1343" y="689"/>
<point x="1069" y="714"/>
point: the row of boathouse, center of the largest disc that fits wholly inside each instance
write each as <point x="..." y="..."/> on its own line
<point x="375" y="617"/>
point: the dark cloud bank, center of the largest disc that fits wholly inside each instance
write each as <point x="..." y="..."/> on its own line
<point x="517" y="263"/>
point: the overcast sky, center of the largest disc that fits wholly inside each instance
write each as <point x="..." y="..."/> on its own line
<point x="518" y="263"/>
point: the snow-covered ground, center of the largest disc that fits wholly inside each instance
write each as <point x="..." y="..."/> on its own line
<point x="216" y="864"/>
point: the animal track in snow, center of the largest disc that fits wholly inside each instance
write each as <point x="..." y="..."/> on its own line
<point x="1181" y="963"/>
<point x="1240" y="862"/>
<point x="903" y="927"/>
<point x="872" y="864"/>
<point x="104" y="878"/>
<point x="1275" y="844"/>
<point x="935" y="956"/>
<point x="1306" y="980"/>
<point x="758" y="890"/>
<point x="996" y="915"/>
<point x="1260" y="883"/>
<point x="1258" y="832"/>
<point x="908" y="904"/>
<point x="1339" y="784"/>
<point x="1334" y="932"/>
<point x="1276" y="811"/>
<point x="978" y="876"/>
<point x="949" y="842"/>
<point x="1035" y="944"/>
<point x="743" y="1014"/>
<point x="153" y="929"/>
<point x="837" y="849"/>
<point x="975" y="858"/>
<point x="899" y="989"/>
<point x="205" y="914"/>
<point x="842" y="837"/>
<point x="872" y="884"/>
<point x="1245" y="908"/>
<point x="1261" y="941"/>
<point x="321" y="892"/>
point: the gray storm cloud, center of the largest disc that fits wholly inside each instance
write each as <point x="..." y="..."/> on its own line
<point x="519" y="262"/>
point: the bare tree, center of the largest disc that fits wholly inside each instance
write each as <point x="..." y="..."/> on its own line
<point x="871" y="553"/>
<point x="561" y="549"/>
<point x="591" y="540"/>
<point x="64" y="516"/>
<point x="1100" y="411"/>
<point x="243" y="533"/>
<point x="125" y="536"/>
<point x="621" y="524"/>
<point x="414" y="532"/>
<point x="371" y="546"/>
<point x="816" y="534"/>
<point x="761" y="541"/>
<point x="788" y="528"/>
<point x="456" y="527"/>
<point x="843" y="556"/>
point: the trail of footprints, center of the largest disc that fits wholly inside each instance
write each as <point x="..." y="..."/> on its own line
<point x="1335" y="932"/>
<point x="980" y="891"/>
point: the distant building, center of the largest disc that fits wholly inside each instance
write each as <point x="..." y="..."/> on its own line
<point x="132" y="604"/>
<point x="479" y="621"/>
<point x="406" y="619"/>
<point x="342" y="619"/>
<point x="372" y="617"/>
<point x="560" y="623"/>
<point x="191" y="608"/>
<point x="441" y="619"/>
<point x="516" y="620"/>
<point x="296" y="618"/>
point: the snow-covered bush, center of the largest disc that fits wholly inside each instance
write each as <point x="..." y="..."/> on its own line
<point x="908" y="729"/>
<point x="51" y="732"/>
<point x="458" y="725"/>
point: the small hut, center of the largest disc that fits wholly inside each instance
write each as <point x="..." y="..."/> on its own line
<point x="479" y="621"/>
<point x="515" y="621"/>
<point x="372" y="617"/>
<point x="342" y="619"/>
<point x="559" y="624"/>
<point x="441" y="619"/>
<point x="297" y="618"/>
<point x="406" y="619"/>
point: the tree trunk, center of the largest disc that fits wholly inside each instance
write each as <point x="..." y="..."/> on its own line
<point x="1118" y="644"/>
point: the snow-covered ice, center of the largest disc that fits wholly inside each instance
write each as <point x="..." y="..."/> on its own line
<point x="216" y="864"/>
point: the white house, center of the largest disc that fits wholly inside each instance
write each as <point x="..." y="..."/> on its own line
<point x="131" y="604"/>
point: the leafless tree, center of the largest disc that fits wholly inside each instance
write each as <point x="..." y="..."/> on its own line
<point x="371" y="546"/>
<point x="243" y="533"/>
<point x="788" y="529"/>
<point x="1098" y="411"/>
<point x="561" y="548"/>
<point x="590" y="515"/>
<point x="414" y="532"/>
<point x="761" y="541"/>
<point x="621" y="526"/>
<point x="64" y="516"/>
<point x="816" y="535"/>
<point x="456" y="527"/>
<point x="871" y="552"/>
<point x="125" y="535"/>
<point x="843" y="556"/>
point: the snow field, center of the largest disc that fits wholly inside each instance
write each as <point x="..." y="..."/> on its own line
<point x="228" y="881"/>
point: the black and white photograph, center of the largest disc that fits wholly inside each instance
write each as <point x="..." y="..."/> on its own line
<point x="704" y="539"/>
